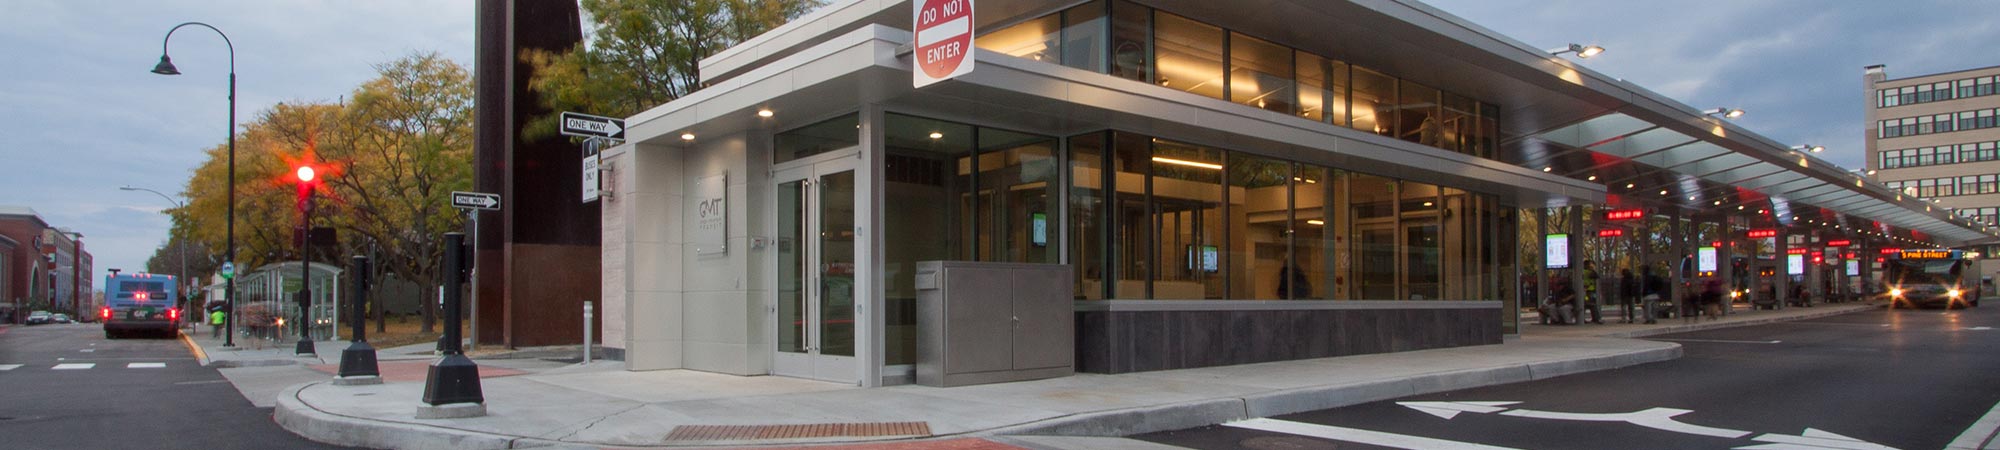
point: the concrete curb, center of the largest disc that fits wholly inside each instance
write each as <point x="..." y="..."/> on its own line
<point x="199" y="355"/>
<point x="296" y="416"/>
<point x="1149" y="419"/>
<point x="1698" y="326"/>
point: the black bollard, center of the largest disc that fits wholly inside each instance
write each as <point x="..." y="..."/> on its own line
<point x="454" y="379"/>
<point x="357" y="362"/>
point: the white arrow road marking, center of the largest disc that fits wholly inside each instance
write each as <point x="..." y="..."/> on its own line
<point x="1815" y="438"/>
<point x="1449" y="410"/>
<point x="1980" y="433"/>
<point x="6" y="367"/>
<point x="151" y="365"/>
<point x="1980" y="328"/>
<point x="1358" y="435"/>
<point x="74" y="366"/>
<point x="1655" y="418"/>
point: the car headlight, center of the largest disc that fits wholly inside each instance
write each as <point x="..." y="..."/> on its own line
<point x="1896" y="292"/>
<point x="1953" y="293"/>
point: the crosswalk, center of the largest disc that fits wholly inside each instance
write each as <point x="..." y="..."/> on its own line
<point x="84" y="366"/>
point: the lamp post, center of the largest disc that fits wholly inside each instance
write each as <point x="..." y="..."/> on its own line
<point x="183" y="250"/>
<point x="166" y="67"/>
<point x="305" y="347"/>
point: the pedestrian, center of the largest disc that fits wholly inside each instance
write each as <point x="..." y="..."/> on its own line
<point x="1559" y="310"/>
<point x="215" y="320"/>
<point x="1711" y="300"/>
<point x="1652" y="287"/>
<point x="1628" y="291"/>
<point x="1590" y="299"/>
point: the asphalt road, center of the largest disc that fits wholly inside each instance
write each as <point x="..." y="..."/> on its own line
<point x="1895" y="378"/>
<point x="134" y="393"/>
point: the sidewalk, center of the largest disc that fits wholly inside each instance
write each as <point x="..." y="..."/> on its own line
<point x="601" y="404"/>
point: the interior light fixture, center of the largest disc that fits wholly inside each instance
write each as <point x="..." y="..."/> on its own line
<point x="1593" y="178"/>
<point x="1726" y="113"/>
<point x="1548" y="168"/>
<point x="1315" y="222"/>
<point x="1663" y="192"/>
<point x="1628" y="185"/>
<point x="1581" y="51"/>
<point x="937" y="135"/>
<point x="687" y="136"/>
<point x="765" y="113"/>
<point x="1180" y="162"/>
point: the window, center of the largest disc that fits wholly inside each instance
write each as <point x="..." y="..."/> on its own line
<point x="1083" y="40"/>
<point x="1311" y="71"/>
<point x="1131" y="41"/>
<point x="1016" y="188"/>
<point x="833" y="134"/>
<point x="1260" y="74"/>
<point x="1312" y="256"/>
<point x="1087" y="215"/>
<point x="1131" y="166"/>
<point x="1186" y="208"/>
<point x="1417" y="115"/>
<point x="1190" y="55"/>
<point x="1034" y="39"/>
<point x="1374" y="100"/>
<point x="1260" y="228"/>
<point x="1372" y="221"/>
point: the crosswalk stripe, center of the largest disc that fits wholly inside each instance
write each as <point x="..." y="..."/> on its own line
<point x="74" y="366"/>
<point x="9" y="366"/>
<point x="151" y="365"/>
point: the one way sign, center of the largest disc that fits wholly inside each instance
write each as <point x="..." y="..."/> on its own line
<point x="475" y="200"/>
<point x="574" y="124"/>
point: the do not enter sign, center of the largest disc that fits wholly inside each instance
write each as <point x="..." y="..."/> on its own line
<point x="943" y="40"/>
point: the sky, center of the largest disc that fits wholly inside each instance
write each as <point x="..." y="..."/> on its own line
<point x="80" y="115"/>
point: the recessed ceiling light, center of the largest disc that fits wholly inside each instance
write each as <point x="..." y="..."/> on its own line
<point x="687" y="136"/>
<point x="1546" y="169"/>
<point x="1593" y="178"/>
<point x="937" y="135"/>
<point x="764" y="113"/>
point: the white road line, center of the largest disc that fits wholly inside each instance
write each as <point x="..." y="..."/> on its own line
<point x="88" y="350"/>
<point x="74" y="366"/>
<point x="150" y="365"/>
<point x="6" y="367"/>
<point x="1722" y="341"/>
<point x="1980" y="434"/>
<point x="1358" y="435"/>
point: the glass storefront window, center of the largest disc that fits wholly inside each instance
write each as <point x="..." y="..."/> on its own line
<point x="1373" y="102"/>
<point x="1131" y="41"/>
<point x="825" y="136"/>
<point x="1016" y="196"/>
<point x="1132" y="246"/>
<point x="1459" y="117"/>
<point x="1313" y="256"/>
<point x="1423" y="241"/>
<point x="1083" y="40"/>
<point x="921" y="182"/>
<point x="1372" y="229"/>
<point x="1034" y="39"/>
<point x="1259" y="255"/>
<point x="1087" y="215"/>
<point x="1260" y="73"/>
<point x="1186" y="208"/>
<point x="1189" y="54"/>
<point x="1417" y="114"/>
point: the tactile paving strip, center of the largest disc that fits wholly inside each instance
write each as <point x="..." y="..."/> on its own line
<point x="747" y="432"/>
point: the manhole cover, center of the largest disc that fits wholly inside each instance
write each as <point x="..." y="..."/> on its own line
<point x="1286" y="443"/>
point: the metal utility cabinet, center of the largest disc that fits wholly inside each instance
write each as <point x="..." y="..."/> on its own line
<point x="982" y="322"/>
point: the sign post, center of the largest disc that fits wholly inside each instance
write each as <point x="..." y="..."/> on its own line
<point x="472" y="203"/>
<point x="943" y="38"/>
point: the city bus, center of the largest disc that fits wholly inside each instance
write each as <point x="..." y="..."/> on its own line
<point x="1923" y="277"/>
<point x="138" y="303"/>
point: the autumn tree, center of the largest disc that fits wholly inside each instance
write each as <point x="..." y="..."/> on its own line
<point x="645" y="53"/>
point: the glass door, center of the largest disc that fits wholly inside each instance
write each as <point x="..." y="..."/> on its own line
<point x="815" y="309"/>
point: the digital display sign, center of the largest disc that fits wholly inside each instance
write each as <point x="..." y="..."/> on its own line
<point x="1929" y="253"/>
<point x="1039" y="226"/>
<point x="1624" y="214"/>
<point x="1853" y="268"/>
<point x="1762" y="233"/>
<point x="1705" y="258"/>
<point x="1838" y="243"/>
<point x="1557" y="251"/>
<point x="1795" y="264"/>
<point x="1611" y="232"/>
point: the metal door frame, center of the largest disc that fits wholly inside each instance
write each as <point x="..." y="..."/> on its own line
<point x="812" y="364"/>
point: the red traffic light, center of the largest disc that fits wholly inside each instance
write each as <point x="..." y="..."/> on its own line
<point x="305" y="174"/>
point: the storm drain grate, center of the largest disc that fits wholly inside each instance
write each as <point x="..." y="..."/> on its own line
<point x="746" y="432"/>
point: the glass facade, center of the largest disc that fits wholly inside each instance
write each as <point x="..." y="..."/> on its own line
<point x="1143" y="44"/>
<point x="825" y="136"/>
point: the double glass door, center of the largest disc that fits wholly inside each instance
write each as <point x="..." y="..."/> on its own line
<point x="816" y="312"/>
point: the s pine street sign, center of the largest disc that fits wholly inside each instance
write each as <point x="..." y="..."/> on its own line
<point x="943" y="38"/>
<point x="475" y="200"/>
<point x="585" y="125"/>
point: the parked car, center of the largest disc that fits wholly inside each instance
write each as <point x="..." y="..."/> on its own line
<point x="60" y="318"/>
<point x="38" y="317"/>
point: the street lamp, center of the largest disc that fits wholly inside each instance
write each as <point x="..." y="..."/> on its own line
<point x="1581" y="51"/>
<point x="306" y="176"/>
<point x="166" y="67"/>
<point x="1726" y="113"/>
<point x="185" y="293"/>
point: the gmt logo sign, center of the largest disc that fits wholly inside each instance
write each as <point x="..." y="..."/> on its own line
<point x="943" y="40"/>
<point x="710" y="204"/>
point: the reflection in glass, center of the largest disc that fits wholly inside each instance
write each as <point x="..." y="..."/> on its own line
<point x="825" y="136"/>
<point x="1187" y="209"/>
<point x="1034" y="39"/>
<point x="1374" y="102"/>
<point x="1190" y="55"/>
<point x="791" y="228"/>
<point x="1313" y="256"/>
<point x="1083" y="37"/>
<point x="1417" y="114"/>
<point x="836" y="264"/>
<point x="921" y="183"/>
<point x="1311" y="71"/>
<point x="1131" y="161"/>
<point x="1015" y="187"/>
<point x="1371" y="209"/>
<point x="1422" y="242"/>
<point x="1260" y="261"/>
<point x="1087" y="214"/>
<point x="1260" y="73"/>
<point x="1131" y="41"/>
